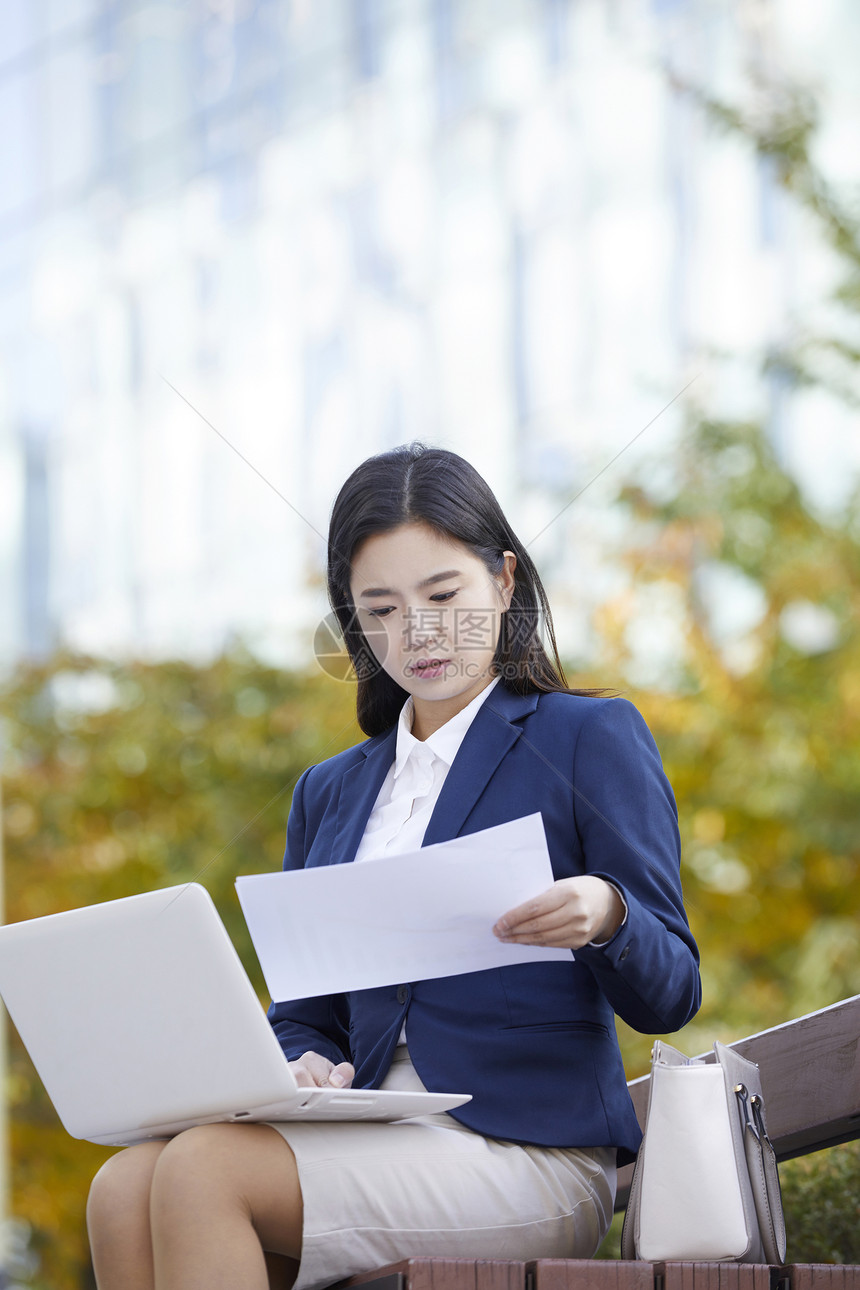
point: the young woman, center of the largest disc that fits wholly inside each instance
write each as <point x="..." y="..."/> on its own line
<point x="470" y="724"/>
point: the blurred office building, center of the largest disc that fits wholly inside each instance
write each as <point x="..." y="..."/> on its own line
<point x="244" y="245"/>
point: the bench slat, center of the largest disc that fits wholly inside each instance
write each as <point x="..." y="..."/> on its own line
<point x="713" y="1276"/>
<point x="589" y="1274"/>
<point x="444" y="1274"/>
<point x="824" y="1276"/>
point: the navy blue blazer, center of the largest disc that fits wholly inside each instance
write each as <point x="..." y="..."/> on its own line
<point x="535" y="1044"/>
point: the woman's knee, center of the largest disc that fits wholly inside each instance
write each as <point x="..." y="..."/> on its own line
<point x="121" y="1189"/>
<point x="191" y="1167"/>
<point x="228" y="1170"/>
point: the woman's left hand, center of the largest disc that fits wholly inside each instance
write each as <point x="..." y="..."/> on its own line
<point x="571" y="913"/>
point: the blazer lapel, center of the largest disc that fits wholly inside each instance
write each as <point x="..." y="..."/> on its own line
<point x="359" y="790"/>
<point x="488" y="739"/>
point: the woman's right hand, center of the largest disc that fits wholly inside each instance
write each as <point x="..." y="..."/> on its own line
<point x="313" y="1071"/>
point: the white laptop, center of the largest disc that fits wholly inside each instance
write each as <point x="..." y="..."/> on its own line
<point x="141" y="1022"/>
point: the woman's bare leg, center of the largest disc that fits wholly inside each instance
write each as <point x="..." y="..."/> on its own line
<point x="118" y="1219"/>
<point x="221" y="1195"/>
<point x="218" y="1197"/>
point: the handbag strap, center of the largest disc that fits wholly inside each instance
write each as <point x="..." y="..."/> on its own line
<point x="764" y="1175"/>
<point x="631" y="1212"/>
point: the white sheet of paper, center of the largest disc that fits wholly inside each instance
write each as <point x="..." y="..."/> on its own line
<point x="409" y="917"/>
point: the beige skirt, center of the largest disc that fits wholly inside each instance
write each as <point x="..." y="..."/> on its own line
<point x="376" y="1193"/>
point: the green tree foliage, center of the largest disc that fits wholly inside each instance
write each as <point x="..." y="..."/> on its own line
<point x="821" y="1199"/>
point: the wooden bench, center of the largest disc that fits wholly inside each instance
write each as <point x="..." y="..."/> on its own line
<point x="810" y="1070"/>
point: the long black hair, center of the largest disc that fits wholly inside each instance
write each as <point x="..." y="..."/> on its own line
<point x="416" y="483"/>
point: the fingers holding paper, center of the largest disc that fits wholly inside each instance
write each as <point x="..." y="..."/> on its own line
<point x="572" y="912"/>
<point x="313" y="1071"/>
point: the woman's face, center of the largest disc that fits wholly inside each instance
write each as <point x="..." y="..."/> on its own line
<point x="431" y="612"/>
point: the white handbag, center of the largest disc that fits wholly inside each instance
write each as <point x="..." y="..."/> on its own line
<point x="705" y="1186"/>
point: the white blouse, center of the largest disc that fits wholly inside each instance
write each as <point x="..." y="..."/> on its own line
<point x="414" y="781"/>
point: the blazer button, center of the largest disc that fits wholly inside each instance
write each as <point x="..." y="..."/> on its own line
<point x="402" y="993"/>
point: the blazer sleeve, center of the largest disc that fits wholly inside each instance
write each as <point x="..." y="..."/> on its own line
<point x="319" y="1025"/>
<point x="627" y="822"/>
